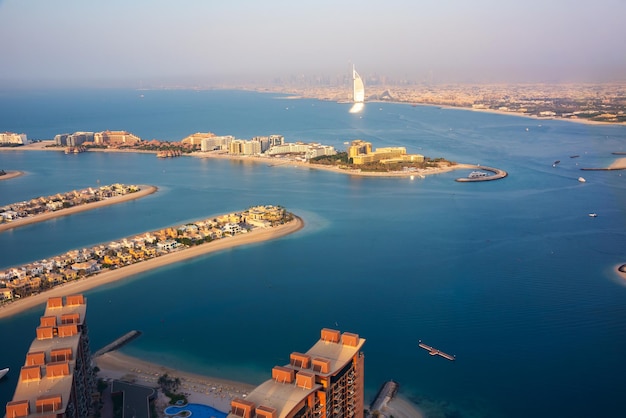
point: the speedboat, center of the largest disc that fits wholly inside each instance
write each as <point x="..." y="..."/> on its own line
<point x="581" y="179"/>
<point x="593" y="215"/>
<point x="3" y="372"/>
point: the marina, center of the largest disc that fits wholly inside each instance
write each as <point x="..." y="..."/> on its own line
<point x="434" y="352"/>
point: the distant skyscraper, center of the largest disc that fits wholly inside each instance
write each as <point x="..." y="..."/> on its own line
<point x="57" y="380"/>
<point x="326" y="381"/>
<point x="358" y="88"/>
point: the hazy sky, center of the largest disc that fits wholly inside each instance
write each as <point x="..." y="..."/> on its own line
<point x="188" y="41"/>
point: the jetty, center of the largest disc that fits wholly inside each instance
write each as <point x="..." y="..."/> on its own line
<point x="434" y="352"/>
<point x="385" y="394"/>
<point x="124" y="339"/>
<point x="498" y="174"/>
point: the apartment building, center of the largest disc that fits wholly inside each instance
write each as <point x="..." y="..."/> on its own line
<point x="326" y="381"/>
<point x="57" y="379"/>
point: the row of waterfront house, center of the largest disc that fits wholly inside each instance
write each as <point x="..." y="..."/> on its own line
<point x="22" y="281"/>
<point x="44" y="204"/>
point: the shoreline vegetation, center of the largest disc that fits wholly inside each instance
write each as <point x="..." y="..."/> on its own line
<point x="109" y="276"/>
<point x="144" y="190"/>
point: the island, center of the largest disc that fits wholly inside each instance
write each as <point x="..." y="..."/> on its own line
<point x="44" y="208"/>
<point x="359" y="159"/>
<point x="29" y="285"/>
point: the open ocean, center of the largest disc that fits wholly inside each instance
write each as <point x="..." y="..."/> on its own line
<point x="511" y="276"/>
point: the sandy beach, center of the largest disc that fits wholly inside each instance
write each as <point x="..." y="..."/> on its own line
<point x="619" y="164"/>
<point x="621" y="270"/>
<point x="144" y="190"/>
<point x="11" y="174"/>
<point x="200" y="389"/>
<point x="108" y="276"/>
<point x="206" y="390"/>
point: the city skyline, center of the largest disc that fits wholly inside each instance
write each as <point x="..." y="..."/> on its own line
<point x="148" y="44"/>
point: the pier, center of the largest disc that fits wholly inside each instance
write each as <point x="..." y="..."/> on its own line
<point x="434" y="352"/>
<point x="118" y="343"/>
<point x="498" y="174"/>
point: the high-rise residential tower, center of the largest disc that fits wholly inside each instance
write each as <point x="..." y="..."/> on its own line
<point x="326" y="381"/>
<point x="57" y="379"/>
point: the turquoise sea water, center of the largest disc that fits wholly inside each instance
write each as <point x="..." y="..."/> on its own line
<point x="511" y="276"/>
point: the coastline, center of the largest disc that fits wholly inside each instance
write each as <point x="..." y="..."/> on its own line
<point x="11" y="175"/>
<point x="109" y="276"/>
<point x="205" y="390"/>
<point x="619" y="164"/>
<point x="300" y="164"/>
<point x="144" y="190"/>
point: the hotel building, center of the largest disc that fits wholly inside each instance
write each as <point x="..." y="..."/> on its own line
<point x="57" y="379"/>
<point x="361" y="153"/>
<point x="326" y="381"/>
<point x="13" y="138"/>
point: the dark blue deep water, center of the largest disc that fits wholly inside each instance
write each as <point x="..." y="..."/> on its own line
<point x="511" y="276"/>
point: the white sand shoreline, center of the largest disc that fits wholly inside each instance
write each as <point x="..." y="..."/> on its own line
<point x="205" y="390"/>
<point x="11" y="175"/>
<point x="109" y="276"/>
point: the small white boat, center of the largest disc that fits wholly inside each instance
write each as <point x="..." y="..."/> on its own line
<point x="593" y="215"/>
<point x="581" y="179"/>
<point x="3" y="372"/>
<point x="477" y="174"/>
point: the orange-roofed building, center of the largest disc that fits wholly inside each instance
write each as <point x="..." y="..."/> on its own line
<point x="326" y="381"/>
<point x="57" y="379"/>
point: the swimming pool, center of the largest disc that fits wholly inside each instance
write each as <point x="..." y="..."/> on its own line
<point x="196" y="410"/>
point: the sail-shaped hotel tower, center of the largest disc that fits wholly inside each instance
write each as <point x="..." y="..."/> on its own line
<point x="358" y="93"/>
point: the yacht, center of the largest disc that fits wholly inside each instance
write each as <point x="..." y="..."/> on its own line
<point x="593" y="215"/>
<point x="477" y="174"/>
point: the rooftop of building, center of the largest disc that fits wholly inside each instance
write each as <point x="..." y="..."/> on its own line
<point x="46" y="379"/>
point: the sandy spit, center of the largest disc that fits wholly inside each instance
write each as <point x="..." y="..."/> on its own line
<point x="144" y="191"/>
<point x="108" y="276"/>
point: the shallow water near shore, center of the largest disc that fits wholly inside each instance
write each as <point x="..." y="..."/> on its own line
<point x="512" y="276"/>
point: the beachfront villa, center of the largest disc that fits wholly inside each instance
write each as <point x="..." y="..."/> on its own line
<point x="325" y="381"/>
<point x="24" y="280"/>
<point x="57" y="379"/>
<point x="43" y="204"/>
<point x="361" y="153"/>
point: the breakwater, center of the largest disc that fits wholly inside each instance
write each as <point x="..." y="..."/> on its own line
<point x="124" y="339"/>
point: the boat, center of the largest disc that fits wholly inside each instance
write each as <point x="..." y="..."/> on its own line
<point x="477" y="174"/>
<point x="3" y="372"/>
<point x="593" y="215"/>
<point x="556" y="163"/>
<point x="581" y="179"/>
<point x="574" y="156"/>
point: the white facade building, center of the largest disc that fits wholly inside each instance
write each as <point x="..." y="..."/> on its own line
<point x="12" y="138"/>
